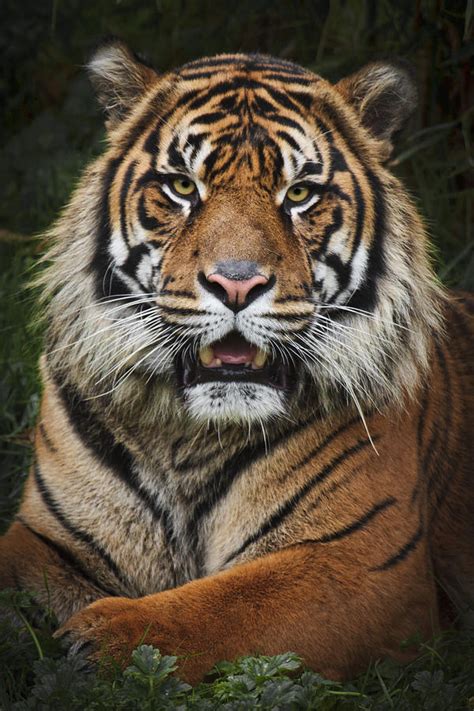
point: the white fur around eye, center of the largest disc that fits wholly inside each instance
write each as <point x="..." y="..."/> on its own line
<point x="185" y="204"/>
<point x="296" y="210"/>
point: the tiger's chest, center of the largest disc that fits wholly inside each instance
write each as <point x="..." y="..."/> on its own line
<point x="199" y="511"/>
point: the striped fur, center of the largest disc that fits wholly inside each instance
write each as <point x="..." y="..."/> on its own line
<point x="227" y="518"/>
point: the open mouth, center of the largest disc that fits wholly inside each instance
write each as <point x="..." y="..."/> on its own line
<point x="232" y="359"/>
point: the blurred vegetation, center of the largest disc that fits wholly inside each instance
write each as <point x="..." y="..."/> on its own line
<point x="51" y="127"/>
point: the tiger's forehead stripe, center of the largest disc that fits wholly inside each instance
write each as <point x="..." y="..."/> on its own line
<point x="232" y="112"/>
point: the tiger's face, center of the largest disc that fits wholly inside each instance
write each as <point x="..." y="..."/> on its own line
<point x="243" y="230"/>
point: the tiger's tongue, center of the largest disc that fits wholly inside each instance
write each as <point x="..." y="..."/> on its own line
<point x="234" y="350"/>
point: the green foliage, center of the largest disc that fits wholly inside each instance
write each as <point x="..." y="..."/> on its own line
<point x="19" y="387"/>
<point x="36" y="674"/>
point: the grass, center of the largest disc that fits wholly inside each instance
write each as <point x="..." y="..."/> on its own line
<point x="53" y="129"/>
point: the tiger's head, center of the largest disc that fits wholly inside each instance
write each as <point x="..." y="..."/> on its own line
<point x="242" y="245"/>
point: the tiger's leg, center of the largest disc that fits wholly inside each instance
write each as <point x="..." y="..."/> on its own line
<point x="33" y="562"/>
<point x="323" y="602"/>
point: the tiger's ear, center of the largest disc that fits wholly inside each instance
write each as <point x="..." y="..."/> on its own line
<point x="119" y="78"/>
<point x="384" y="94"/>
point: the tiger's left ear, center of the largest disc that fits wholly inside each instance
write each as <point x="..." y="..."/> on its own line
<point x="384" y="95"/>
<point x="120" y="79"/>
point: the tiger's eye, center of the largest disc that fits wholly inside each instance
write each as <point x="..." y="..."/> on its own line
<point x="183" y="186"/>
<point x="298" y="193"/>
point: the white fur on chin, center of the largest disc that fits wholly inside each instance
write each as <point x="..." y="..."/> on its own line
<point x="234" y="402"/>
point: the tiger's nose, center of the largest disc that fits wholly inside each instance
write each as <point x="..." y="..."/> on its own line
<point x="236" y="283"/>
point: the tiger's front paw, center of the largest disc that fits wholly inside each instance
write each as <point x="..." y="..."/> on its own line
<point x="108" y="629"/>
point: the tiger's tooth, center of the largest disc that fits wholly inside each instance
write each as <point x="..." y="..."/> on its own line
<point x="260" y="358"/>
<point x="206" y="355"/>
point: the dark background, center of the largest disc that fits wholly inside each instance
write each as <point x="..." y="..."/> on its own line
<point x="52" y="127"/>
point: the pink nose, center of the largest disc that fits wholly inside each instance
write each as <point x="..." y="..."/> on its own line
<point x="237" y="290"/>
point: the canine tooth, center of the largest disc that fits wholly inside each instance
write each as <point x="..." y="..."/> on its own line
<point x="217" y="363"/>
<point x="260" y="358"/>
<point x="206" y="355"/>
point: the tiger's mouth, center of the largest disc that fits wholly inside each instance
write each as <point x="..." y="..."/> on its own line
<point x="232" y="359"/>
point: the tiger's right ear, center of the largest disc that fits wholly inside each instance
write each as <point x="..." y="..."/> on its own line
<point x="119" y="78"/>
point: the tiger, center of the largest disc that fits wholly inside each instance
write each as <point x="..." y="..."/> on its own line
<point x="256" y="420"/>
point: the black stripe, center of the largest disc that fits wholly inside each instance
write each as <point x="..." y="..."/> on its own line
<point x="356" y="525"/>
<point x="175" y="157"/>
<point x="209" y="118"/>
<point x="196" y="140"/>
<point x="102" y="259"/>
<point x="220" y="483"/>
<point x="227" y="474"/>
<point x="335" y="224"/>
<point x="290" y="297"/>
<point x="262" y="107"/>
<point x="422" y="418"/>
<point x="148" y="222"/>
<point x="289" y="140"/>
<point x="124" y="190"/>
<point x="343" y="127"/>
<point x="360" y="215"/>
<point x="139" y="128"/>
<point x="178" y="311"/>
<point x="178" y="292"/>
<point x="336" y="190"/>
<point x="196" y="99"/>
<point x="320" y="447"/>
<point x="310" y="167"/>
<point x="103" y="445"/>
<point x="289" y="506"/>
<point x="45" y="437"/>
<point x="365" y="297"/>
<point x="288" y="79"/>
<point x="433" y="445"/>
<point x="440" y="477"/>
<point x="252" y="61"/>
<point x="69" y="559"/>
<point x="402" y="553"/>
<point x="342" y="270"/>
<point x="133" y="261"/>
<point x="221" y="168"/>
<point x="287" y="317"/>
<point x="286" y="121"/>
<point x="214" y="62"/>
<point x="282" y="99"/>
<point x="77" y="533"/>
<point x="420" y="432"/>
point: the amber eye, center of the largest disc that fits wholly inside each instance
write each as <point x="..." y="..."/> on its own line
<point x="298" y="193"/>
<point x="183" y="186"/>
